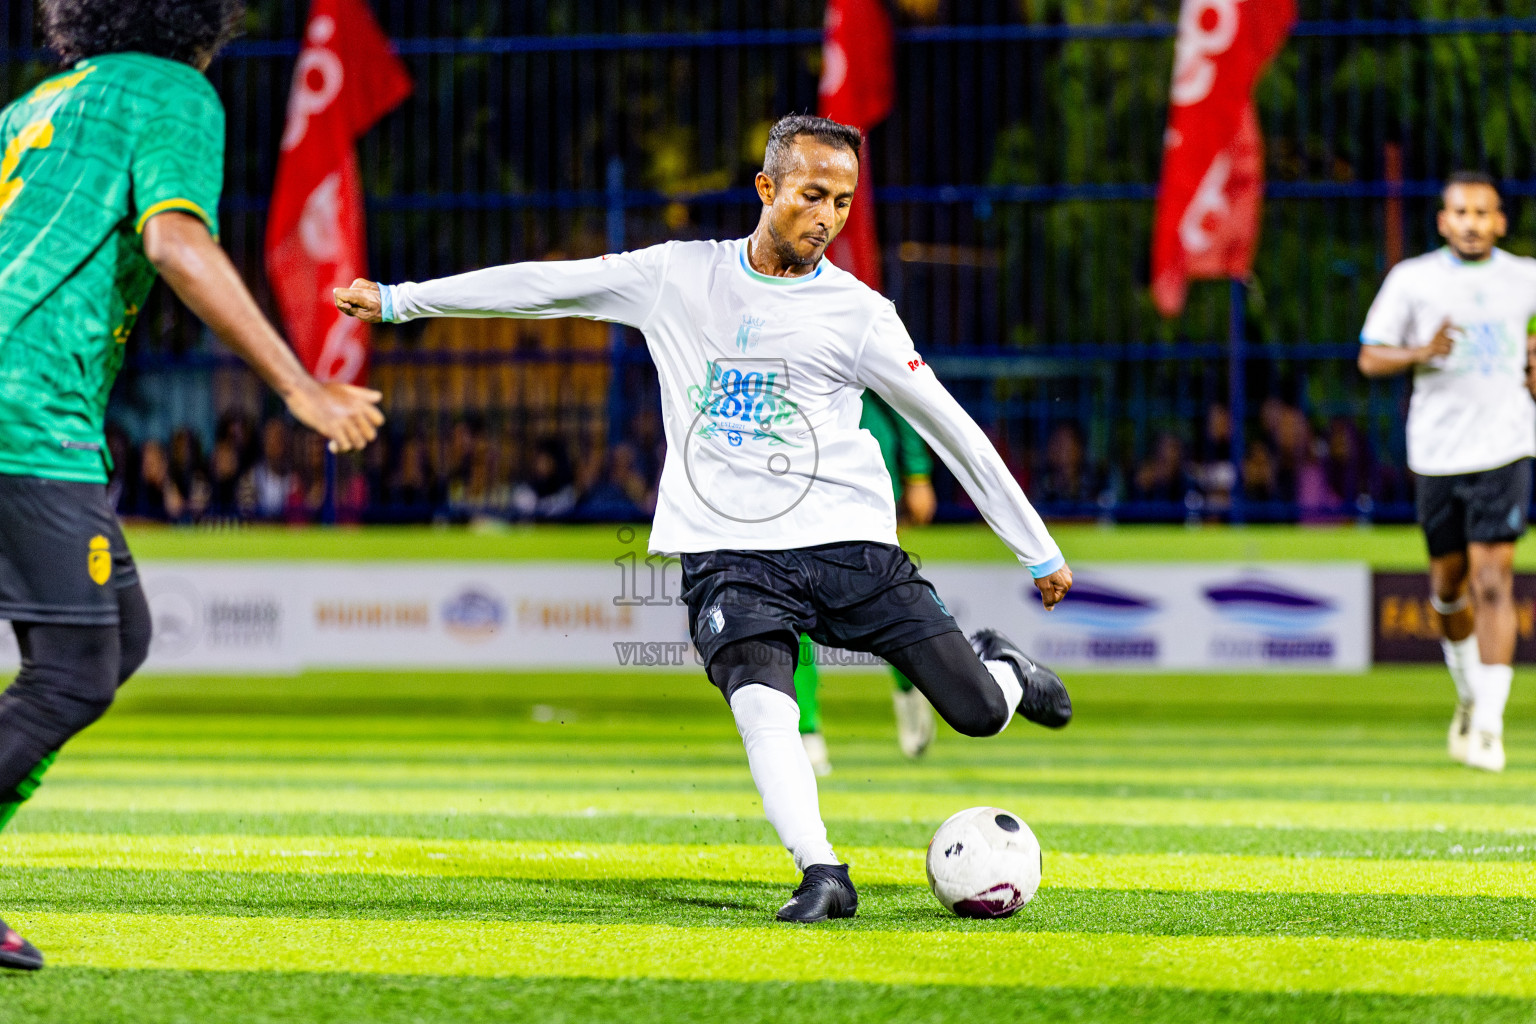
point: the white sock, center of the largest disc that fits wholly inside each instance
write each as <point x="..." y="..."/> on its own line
<point x="1008" y="679"/>
<point x="1458" y="655"/>
<point x="1490" y="692"/>
<point x="769" y="723"/>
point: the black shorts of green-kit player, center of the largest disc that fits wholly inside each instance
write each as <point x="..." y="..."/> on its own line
<point x="747" y="610"/>
<point x="70" y="589"/>
<point x="1487" y="507"/>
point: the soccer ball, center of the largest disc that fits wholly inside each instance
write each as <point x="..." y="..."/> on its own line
<point x="984" y="862"/>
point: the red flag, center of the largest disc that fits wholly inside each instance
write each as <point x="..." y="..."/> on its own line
<point x="347" y="77"/>
<point x="1213" y="156"/>
<point x="858" y="87"/>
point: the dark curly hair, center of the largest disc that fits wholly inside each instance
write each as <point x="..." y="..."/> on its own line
<point x="186" y="30"/>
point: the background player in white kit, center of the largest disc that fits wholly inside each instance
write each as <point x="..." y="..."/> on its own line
<point x="779" y="505"/>
<point x="1461" y="319"/>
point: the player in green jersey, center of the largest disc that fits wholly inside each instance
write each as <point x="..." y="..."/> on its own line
<point x="910" y="465"/>
<point x="110" y="174"/>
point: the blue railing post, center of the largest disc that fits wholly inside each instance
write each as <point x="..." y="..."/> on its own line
<point x="1237" y="387"/>
<point x="616" y="403"/>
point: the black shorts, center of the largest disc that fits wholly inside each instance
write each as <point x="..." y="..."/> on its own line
<point x="859" y="596"/>
<point x="1487" y="507"/>
<point x="62" y="554"/>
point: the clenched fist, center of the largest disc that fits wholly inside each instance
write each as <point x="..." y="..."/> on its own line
<point x="362" y="300"/>
<point x="1054" y="587"/>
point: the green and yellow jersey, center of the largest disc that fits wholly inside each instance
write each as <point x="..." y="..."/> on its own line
<point x="89" y="156"/>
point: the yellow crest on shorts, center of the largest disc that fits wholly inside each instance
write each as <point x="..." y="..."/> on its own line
<point x="99" y="565"/>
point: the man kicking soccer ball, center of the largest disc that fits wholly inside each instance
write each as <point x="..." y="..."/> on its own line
<point x="779" y="505"/>
<point x="910" y="467"/>
<point x="1460" y="318"/>
<point x="112" y="172"/>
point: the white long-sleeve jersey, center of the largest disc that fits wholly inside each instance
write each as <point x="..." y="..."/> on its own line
<point x="761" y="380"/>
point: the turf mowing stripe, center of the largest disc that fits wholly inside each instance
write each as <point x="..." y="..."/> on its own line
<point x="615" y="828"/>
<point x="653" y="725"/>
<point x="87" y="996"/>
<point x="743" y="904"/>
<point x="957" y="792"/>
<point x="1514" y="786"/>
<point x="850" y="743"/>
<point x="899" y="807"/>
<point x="535" y="860"/>
<point x="1024" y="959"/>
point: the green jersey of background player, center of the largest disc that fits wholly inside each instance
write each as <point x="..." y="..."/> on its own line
<point x="110" y="174"/>
<point x="910" y="465"/>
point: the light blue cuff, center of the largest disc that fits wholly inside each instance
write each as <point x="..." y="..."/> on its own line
<point x="1044" y="569"/>
<point x="387" y="303"/>
<point x="1372" y="341"/>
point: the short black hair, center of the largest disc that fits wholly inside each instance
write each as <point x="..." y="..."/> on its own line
<point x="184" y="30"/>
<point x="1472" y="178"/>
<point x="782" y="136"/>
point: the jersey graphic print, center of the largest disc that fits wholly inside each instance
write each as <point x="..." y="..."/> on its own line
<point x="750" y="331"/>
<point x="1484" y="349"/>
<point x="751" y="454"/>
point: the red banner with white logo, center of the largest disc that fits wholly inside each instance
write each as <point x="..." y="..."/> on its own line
<point x="346" y="78"/>
<point x="858" y="88"/>
<point x="1213" y="156"/>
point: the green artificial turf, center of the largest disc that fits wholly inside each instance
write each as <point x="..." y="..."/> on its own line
<point x="196" y="997"/>
<point x="425" y="847"/>
<point x="1386" y="547"/>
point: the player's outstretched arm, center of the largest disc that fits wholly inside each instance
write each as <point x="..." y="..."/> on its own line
<point x="622" y="288"/>
<point x="200" y="272"/>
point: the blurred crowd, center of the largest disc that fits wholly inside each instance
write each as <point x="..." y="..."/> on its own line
<point x="466" y="470"/>
<point x="1293" y="468"/>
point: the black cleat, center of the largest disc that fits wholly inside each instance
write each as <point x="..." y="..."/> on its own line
<point x="1045" y="701"/>
<point x="16" y="952"/>
<point x="826" y="891"/>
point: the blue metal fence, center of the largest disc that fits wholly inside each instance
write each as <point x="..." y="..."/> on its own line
<point x="1014" y="184"/>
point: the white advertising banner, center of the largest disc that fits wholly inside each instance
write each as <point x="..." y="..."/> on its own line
<point x="1177" y="616"/>
<point x="289" y="616"/>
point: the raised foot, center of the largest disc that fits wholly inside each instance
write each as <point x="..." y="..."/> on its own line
<point x="1045" y="701"/>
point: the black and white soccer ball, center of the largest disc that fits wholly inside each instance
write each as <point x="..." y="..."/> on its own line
<point x="984" y="862"/>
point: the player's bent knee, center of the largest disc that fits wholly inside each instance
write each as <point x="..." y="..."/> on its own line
<point x="988" y="718"/>
<point x="69" y="678"/>
<point x="85" y="709"/>
<point x="63" y="700"/>
<point x="88" y="694"/>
